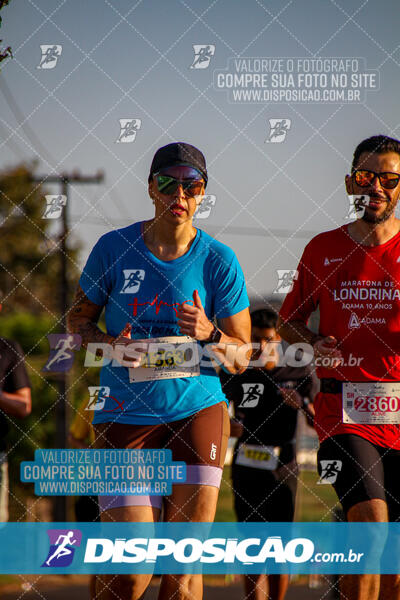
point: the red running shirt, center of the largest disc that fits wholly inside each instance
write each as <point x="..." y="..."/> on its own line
<point x="357" y="289"/>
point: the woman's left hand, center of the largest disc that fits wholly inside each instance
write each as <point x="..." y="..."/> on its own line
<point x="193" y="321"/>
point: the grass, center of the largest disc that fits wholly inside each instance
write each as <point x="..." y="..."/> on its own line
<point x="314" y="502"/>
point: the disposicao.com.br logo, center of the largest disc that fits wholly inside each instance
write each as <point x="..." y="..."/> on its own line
<point x="193" y="550"/>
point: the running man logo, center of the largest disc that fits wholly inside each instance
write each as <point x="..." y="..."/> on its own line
<point x="98" y="395"/>
<point x="133" y="279"/>
<point x="202" y="55"/>
<point x="278" y="129"/>
<point x="128" y="130"/>
<point x="252" y="393"/>
<point x="357" y="206"/>
<point x="203" y="209"/>
<point x="54" y="207"/>
<point x="354" y="322"/>
<point x="286" y="279"/>
<point x="50" y="55"/>
<point x="61" y="552"/>
<point x="330" y="469"/>
<point x="62" y="347"/>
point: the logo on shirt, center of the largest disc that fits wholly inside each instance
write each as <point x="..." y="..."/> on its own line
<point x="354" y="322"/>
<point x="329" y="261"/>
<point x="133" y="279"/>
<point x="286" y="279"/>
<point x="398" y="259"/>
<point x="252" y="393"/>
<point x="98" y="395"/>
<point x="213" y="451"/>
<point x="330" y="469"/>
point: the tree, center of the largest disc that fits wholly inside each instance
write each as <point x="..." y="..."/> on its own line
<point x="29" y="252"/>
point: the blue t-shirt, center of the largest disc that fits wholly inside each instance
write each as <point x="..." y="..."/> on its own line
<point x="136" y="287"/>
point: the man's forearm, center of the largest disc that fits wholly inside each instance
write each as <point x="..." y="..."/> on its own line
<point x="294" y="332"/>
<point x="15" y="405"/>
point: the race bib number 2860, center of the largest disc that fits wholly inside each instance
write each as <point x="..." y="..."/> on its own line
<point x="371" y="402"/>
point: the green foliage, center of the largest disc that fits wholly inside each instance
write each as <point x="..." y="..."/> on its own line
<point x="30" y="269"/>
<point x="29" y="256"/>
<point x="29" y="330"/>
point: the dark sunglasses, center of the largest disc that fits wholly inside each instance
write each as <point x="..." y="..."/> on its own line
<point x="364" y="178"/>
<point x="168" y="185"/>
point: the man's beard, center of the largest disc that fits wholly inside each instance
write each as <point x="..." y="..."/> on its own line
<point x="371" y="218"/>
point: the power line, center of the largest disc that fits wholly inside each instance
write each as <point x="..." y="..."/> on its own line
<point x="212" y="229"/>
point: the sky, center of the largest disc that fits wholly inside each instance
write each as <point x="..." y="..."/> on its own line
<point x="275" y="185"/>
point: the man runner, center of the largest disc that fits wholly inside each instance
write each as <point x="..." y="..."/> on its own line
<point x="353" y="275"/>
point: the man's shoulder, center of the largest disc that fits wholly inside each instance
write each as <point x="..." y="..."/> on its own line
<point x="327" y="237"/>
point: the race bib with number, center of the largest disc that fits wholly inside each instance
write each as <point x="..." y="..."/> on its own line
<point x="371" y="402"/>
<point x="258" y="457"/>
<point x="168" y="358"/>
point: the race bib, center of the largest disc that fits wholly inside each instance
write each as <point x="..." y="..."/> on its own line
<point x="258" y="457"/>
<point x="371" y="402"/>
<point x="168" y="358"/>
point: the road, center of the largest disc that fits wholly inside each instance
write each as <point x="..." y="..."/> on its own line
<point x="70" y="587"/>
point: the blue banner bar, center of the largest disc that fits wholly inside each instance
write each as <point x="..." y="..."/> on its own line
<point x="199" y="548"/>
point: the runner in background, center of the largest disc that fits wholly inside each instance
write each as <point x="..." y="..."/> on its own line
<point x="353" y="275"/>
<point x="15" y="402"/>
<point x="266" y="401"/>
<point x="164" y="278"/>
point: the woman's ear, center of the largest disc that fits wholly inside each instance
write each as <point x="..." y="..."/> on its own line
<point x="151" y="190"/>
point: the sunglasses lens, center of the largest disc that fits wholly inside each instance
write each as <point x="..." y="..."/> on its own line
<point x="364" y="178"/>
<point x="389" y="180"/>
<point x="192" y="188"/>
<point x="166" y="185"/>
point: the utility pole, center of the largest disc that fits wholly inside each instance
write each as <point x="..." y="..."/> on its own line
<point x="64" y="179"/>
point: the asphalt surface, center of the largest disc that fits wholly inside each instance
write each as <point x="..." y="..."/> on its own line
<point x="80" y="591"/>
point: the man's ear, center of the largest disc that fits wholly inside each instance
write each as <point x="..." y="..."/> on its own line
<point x="348" y="180"/>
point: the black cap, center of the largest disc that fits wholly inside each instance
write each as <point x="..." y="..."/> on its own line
<point x="179" y="153"/>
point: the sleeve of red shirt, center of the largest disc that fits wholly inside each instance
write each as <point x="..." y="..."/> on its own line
<point x="303" y="299"/>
